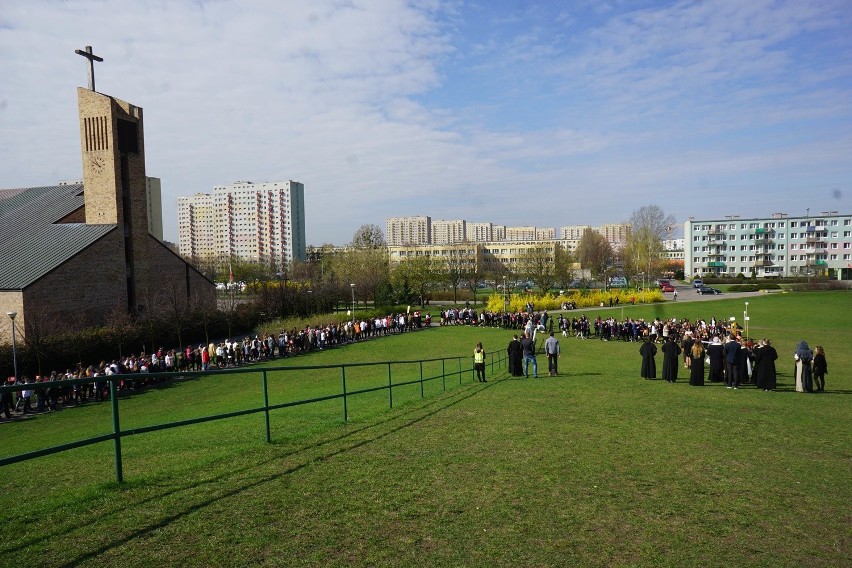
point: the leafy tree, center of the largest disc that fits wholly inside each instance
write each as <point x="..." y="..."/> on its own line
<point x="368" y="236"/>
<point x="413" y="277"/>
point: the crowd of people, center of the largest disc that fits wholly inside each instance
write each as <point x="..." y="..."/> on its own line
<point x="45" y="393"/>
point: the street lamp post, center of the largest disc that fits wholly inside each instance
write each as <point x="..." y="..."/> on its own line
<point x="745" y="319"/>
<point x="352" y="286"/>
<point x="12" y="316"/>
<point x="505" y="305"/>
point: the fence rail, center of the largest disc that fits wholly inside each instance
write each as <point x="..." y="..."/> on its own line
<point x="463" y="367"/>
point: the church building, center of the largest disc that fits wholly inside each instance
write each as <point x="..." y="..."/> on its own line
<point x="78" y="252"/>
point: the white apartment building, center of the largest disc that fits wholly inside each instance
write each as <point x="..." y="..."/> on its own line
<point x="498" y="232"/>
<point x="255" y="222"/>
<point x="520" y="233"/>
<point x="615" y="233"/>
<point x="573" y="232"/>
<point x="448" y="232"/>
<point x="547" y="234"/>
<point x="478" y="232"/>
<point x="777" y="245"/>
<point x="415" y="230"/>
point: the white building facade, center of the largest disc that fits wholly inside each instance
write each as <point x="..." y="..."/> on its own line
<point x="777" y="245"/>
<point x="416" y="230"/>
<point x="254" y="222"/>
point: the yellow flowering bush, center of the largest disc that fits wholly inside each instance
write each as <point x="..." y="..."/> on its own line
<point x="591" y="298"/>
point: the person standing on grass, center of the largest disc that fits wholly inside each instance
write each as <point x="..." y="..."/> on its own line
<point x="479" y="362"/>
<point x="696" y="367"/>
<point x="803" y="356"/>
<point x="716" y="353"/>
<point x="820" y="368"/>
<point x="765" y="377"/>
<point x="528" y="346"/>
<point x="516" y="357"/>
<point x="671" y="351"/>
<point x="732" y="353"/>
<point x="649" y="365"/>
<point x="551" y="348"/>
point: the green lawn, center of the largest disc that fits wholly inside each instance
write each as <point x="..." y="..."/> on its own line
<point x="596" y="467"/>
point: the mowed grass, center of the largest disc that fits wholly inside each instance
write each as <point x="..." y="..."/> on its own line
<point x="596" y="467"/>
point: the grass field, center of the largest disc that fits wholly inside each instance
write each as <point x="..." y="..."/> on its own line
<point x="595" y="467"/>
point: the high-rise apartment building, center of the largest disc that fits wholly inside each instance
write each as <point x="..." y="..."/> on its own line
<point x="401" y="231"/>
<point x="615" y="233"/>
<point x="573" y="232"/>
<point x="520" y="233"/>
<point x="478" y="232"/>
<point x="255" y="222"/>
<point x="448" y="232"/>
<point x="547" y="234"/>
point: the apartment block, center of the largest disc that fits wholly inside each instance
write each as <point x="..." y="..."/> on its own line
<point x="448" y="232"/>
<point x="478" y="232"/>
<point x="777" y="245"/>
<point x="255" y="222"/>
<point x="408" y="230"/>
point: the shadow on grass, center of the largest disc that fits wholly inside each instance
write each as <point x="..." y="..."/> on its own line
<point x="419" y="413"/>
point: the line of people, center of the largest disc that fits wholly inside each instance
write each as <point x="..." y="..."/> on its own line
<point x="45" y="393"/>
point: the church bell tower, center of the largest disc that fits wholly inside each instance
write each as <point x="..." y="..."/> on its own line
<point x="114" y="183"/>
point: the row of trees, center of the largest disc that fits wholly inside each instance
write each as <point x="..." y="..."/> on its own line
<point x="327" y="277"/>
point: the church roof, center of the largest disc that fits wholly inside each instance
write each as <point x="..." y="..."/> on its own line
<point x="32" y="241"/>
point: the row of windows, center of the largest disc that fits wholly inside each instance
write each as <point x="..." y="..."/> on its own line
<point x="773" y="225"/>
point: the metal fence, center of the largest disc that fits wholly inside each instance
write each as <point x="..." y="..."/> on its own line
<point x="451" y="367"/>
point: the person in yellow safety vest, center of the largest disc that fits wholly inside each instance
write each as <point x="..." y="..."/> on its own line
<point x="479" y="362"/>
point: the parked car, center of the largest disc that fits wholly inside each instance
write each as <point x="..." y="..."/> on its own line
<point x="697" y="283"/>
<point x="666" y="287"/>
<point x="708" y="290"/>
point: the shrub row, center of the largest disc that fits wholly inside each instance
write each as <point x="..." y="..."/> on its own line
<point x="586" y="299"/>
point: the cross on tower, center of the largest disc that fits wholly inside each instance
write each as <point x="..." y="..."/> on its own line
<point x="92" y="58"/>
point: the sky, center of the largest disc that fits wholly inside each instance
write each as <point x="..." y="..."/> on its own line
<point x="547" y="113"/>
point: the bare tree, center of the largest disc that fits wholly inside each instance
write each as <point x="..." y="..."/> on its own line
<point x="563" y="265"/>
<point x="537" y="264"/>
<point x="594" y="253"/>
<point x="644" y="249"/>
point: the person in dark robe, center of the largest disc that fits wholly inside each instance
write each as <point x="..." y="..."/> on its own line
<point x="516" y="355"/>
<point x="696" y="368"/>
<point x="649" y="365"/>
<point x="671" y="352"/>
<point x="744" y="360"/>
<point x="688" y="342"/>
<point x="717" y="360"/>
<point x="765" y="377"/>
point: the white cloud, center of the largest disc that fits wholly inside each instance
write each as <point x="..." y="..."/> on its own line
<point x="546" y="115"/>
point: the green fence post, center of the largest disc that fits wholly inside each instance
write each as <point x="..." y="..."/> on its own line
<point x="266" y="408"/>
<point x="421" y="380"/>
<point x="390" y="387"/>
<point x="116" y="430"/>
<point x="345" y="410"/>
<point x="444" y="374"/>
<point x="460" y="371"/>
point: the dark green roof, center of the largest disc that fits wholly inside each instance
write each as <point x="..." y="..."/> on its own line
<point x="32" y="242"/>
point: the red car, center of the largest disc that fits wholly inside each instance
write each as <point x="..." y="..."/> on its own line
<point x="667" y="288"/>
